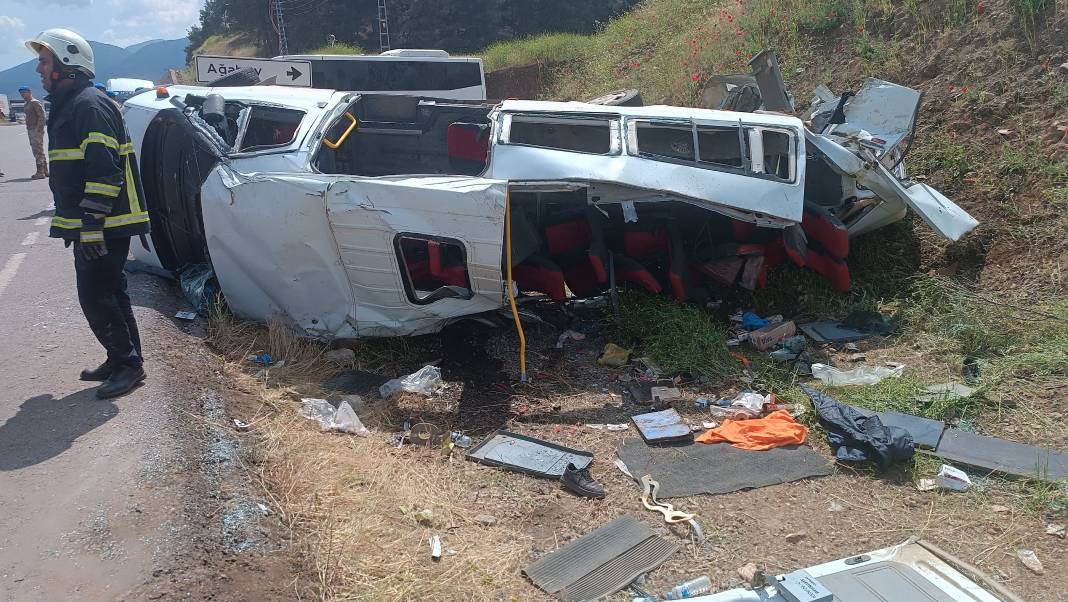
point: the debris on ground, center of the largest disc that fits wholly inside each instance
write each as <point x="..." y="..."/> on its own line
<point x="650" y="488"/>
<point x="689" y="589"/>
<point x="999" y="455"/>
<point x="864" y="375"/>
<point x="953" y="478"/>
<point x="1055" y="530"/>
<point x="581" y="483"/>
<point x="945" y="392"/>
<point x="343" y="356"/>
<point x="614" y="356"/>
<point x="768" y="337"/>
<point x="188" y="316"/>
<point x="342" y="419"/>
<point x="751" y="575"/>
<point x="601" y="562"/>
<point x="435" y="547"/>
<point x="608" y="427"/>
<point x="665" y="426"/>
<point x="240" y="425"/>
<point x="759" y="434"/>
<point x="527" y="455"/>
<point x="835" y="507"/>
<point x="569" y="335"/>
<point x="859" y="435"/>
<point x="718" y="468"/>
<point x="926" y="485"/>
<point x="426" y="381"/>
<point x="1031" y="561"/>
<point x="794" y="538"/>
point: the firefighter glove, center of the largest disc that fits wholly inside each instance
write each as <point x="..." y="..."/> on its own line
<point x="91" y="241"/>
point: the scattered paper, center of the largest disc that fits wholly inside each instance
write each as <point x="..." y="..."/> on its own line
<point x="186" y="315"/>
<point x="953" y="478"/>
<point x="1031" y="561"/>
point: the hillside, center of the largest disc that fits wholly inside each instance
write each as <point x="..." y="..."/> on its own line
<point x="453" y="25"/>
<point x="145" y="60"/>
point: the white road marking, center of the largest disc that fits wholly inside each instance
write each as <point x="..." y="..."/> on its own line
<point x="10" y="268"/>
<point x="41" y="221"/>
<point x="30" y="238"/>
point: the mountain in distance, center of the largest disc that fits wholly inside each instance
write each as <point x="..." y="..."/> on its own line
<point x="144" y="60"/>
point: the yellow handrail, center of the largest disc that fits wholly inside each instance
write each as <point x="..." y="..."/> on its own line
<point x="345" y="136"/>
<point x="511" y="291"/>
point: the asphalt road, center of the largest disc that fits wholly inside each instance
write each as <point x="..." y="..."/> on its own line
<point x="89" y="489"/>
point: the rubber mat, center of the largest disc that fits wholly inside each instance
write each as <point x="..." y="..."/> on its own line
<point x="925" y="432"/>
<point x="719" y="467"/>
<point x="601" y="562"/>
<point x="993" y="454"/>
<point x="527" y="455"/>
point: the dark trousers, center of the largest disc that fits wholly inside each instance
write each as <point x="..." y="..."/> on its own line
<point x="102" y="294"/>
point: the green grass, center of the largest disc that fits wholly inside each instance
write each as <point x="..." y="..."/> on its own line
<point x="337" y="48"/>
<point x="548" y="49"/>
<point x="680" y="338"/>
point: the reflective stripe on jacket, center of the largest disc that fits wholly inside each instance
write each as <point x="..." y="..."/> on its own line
<point x="93" y="167"/>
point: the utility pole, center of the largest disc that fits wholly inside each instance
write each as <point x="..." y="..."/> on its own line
<point x="383" y="26"/>
<point x="283" y="45"/>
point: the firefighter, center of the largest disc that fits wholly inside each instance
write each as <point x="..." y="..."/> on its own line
<point x="99" y="201"/>
<point x="35" y="126"/>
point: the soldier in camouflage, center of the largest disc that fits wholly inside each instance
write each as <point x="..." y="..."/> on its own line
<point x="35" y="127"/>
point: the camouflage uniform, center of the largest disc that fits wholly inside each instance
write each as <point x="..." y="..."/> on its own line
<point x="35" y="127"/>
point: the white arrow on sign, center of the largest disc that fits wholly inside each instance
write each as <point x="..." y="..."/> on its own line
<point x="285" y="73"/>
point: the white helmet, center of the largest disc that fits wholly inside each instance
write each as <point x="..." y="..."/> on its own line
<point x="70" y="49"/>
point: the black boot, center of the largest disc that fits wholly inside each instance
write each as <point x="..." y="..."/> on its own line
<point x="121" y="381"/>
<point x="581" y="483"/>
<point x="98" y="374"/>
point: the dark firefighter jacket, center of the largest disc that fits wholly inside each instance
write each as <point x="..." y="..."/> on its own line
<point x="92" y="165"/>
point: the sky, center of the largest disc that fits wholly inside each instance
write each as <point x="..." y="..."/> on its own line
<point x="118" y="22"/>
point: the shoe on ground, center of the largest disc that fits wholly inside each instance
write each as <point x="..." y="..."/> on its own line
<point x="581" y="483"/>
<point x="38" y="176"/>
<point x="122" y="381"/>
<point x="98" y="374"/>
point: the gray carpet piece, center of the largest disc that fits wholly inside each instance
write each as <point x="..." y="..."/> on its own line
<point x="718" y="467"/>
<point x="601" y="562"/>
<point x="993" y="454"/>
<point x="925" y="432"/>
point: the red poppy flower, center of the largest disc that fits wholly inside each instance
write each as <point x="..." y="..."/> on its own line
<point x="696" y="77"/>
<point x="964" y="89"/>
<point x="860" y="29"/>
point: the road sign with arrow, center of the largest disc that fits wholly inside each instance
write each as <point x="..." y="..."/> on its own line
<point x="282" y="72"/>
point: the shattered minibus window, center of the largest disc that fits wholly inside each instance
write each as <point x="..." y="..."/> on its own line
<point x="433" y="267"/>
<point x="270" y="127"/>
<point x="777" y="154"/>
<point x="578" y="134"/>
<point x="720" y="146"/>
<point x="666" y="140"/>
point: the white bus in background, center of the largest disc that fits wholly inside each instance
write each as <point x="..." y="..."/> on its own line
<point x="430" y="73"/>
<point x="125" y="87"/>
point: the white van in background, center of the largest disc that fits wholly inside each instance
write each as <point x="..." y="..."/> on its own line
<point x="426" y="73"/>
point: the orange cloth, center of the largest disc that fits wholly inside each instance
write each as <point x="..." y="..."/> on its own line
<point x="774" y="430"/>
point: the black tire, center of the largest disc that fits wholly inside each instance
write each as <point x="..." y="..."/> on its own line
<point x="619" y="98"/>
<point x="244" y="77"/>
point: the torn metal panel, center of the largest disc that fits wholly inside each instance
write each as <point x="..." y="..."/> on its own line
<point x="881" y="114"/>
<point x="273" y="251"/>
<point x="939" y="212"/>
<point x="366" y="216"/>
<point x="769" y="77"/>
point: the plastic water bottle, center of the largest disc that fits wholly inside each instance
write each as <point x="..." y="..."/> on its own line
<point x="691" y="588"/>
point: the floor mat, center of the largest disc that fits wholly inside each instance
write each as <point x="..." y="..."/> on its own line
<point x="925" y="432"/>
<point x="601" y="562"/>
<point x="719" y="467"/>
<point x="527" y="455"/>
<point x="833" y="331"/>
<point x="993" y="454"/>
